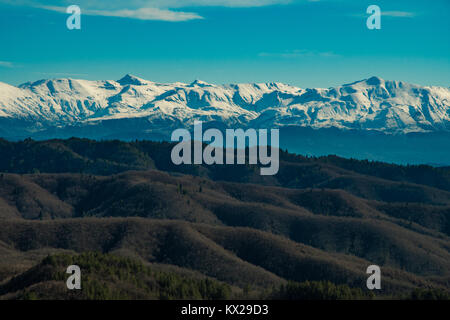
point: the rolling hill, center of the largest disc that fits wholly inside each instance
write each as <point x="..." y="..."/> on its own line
<point x="318" y="219"/>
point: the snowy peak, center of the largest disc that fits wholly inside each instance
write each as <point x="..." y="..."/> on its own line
<point x="129" y="79"/>
<point x="200" y="83"/>
<point x="374" y="81"/>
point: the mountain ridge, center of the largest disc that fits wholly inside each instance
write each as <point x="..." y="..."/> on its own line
<point x="392" y="107"/>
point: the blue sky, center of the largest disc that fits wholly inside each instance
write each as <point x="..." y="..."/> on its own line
<point x="305" y="43"/>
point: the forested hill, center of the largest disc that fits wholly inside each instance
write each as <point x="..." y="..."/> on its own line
<point x="319" y="219"/>
<point x="109" y="157"/>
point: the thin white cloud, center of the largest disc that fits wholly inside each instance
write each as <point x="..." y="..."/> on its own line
<point x="300" y="53"/>
<point x="214" y="3"/>
<point x="65" y="74"/>
<point x="398" y="14"/>
<point x="141" y="13"/>
<point x="6" y="64"/>
<point x="391" y="14"/>
<point x="143" y="9"/>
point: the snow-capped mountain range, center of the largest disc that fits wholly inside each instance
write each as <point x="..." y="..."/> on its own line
<point x="371" y="104"/>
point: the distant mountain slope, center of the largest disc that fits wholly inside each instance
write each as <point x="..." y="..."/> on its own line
<point x="135" y="104"/>
<point x="109" y="157"/>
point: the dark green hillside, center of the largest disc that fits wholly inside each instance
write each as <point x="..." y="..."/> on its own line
<point x="108" y="277"/>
